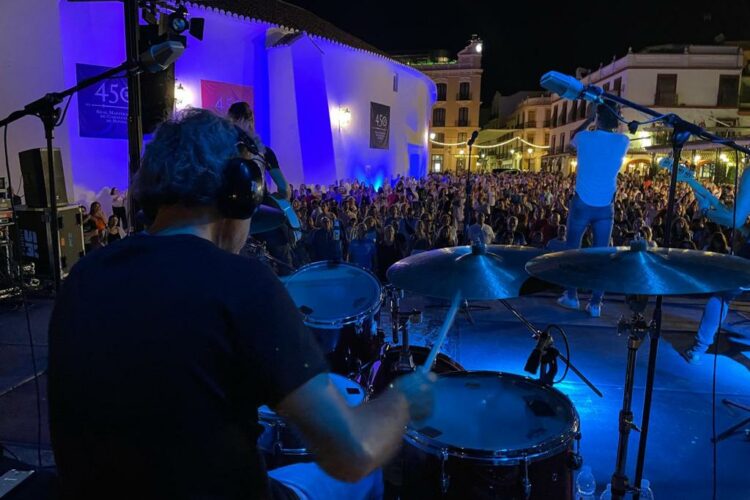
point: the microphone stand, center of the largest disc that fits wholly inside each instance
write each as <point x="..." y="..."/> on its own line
<point x="469" y="188"/>
<point x="46" y="109"/>
<point x="537" y="334"/>
<point x="681" y="132"/>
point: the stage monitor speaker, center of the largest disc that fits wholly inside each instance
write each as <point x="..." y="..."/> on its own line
<point x="35" y="172"/>
<point x="36" y="240"/>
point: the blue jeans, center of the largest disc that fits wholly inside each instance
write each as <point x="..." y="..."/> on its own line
<point x="714" y="315"/>
<point x="310" y="482"/>
<point x="581" y="216"/>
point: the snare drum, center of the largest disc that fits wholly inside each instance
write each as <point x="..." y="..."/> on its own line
<point x="282" y="444"/>
<point x="339" y="302"/>
<point x="492" y="435"/>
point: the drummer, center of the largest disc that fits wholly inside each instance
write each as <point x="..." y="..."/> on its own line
<point x="600" y="154"/>
<point x="164" y="403"/>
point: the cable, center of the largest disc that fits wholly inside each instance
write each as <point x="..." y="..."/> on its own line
<point x="24" y="301"/>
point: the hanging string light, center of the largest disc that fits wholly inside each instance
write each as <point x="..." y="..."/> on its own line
<point x="489" y="146"/>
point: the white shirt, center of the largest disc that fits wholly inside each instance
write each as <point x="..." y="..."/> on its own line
<point x="483" y="232"/>
<point x="600" y="157"/>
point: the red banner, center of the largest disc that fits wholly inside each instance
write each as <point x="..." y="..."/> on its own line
<point x="218" y="96"/>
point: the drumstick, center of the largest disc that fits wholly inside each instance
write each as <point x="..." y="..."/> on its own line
<point x="443" y="332"/>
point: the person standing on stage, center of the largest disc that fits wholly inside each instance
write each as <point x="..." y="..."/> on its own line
<point x="163" y="403"/>
<point x="600" y="155"/>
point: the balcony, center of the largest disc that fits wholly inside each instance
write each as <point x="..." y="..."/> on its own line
<point x="547" y="123"/>
<point x="530" y="124"/>
<point x="463" y="96"/>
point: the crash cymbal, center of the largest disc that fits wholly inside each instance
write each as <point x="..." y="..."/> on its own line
<point x="266" y="219"/>
<point x="479" y="273"/>
<point x="643" y="271"/>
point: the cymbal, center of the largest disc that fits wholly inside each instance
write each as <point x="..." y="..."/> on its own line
<point x="479" y="273"/>
<point x="266" y="219"/>
<point x="637" y="270"/>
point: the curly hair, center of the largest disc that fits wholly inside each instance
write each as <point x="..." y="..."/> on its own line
<point x="184" y="162"/>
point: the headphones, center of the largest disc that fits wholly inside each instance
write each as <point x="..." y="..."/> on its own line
<point x="242" y="186"/>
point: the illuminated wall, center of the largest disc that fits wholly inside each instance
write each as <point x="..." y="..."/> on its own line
<point x="298" y="91"/>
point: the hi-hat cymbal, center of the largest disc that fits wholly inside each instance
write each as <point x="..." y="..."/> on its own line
<point x="637" y="270"/>
<point x="266" y="219"/>
<point x="479" y="273"/>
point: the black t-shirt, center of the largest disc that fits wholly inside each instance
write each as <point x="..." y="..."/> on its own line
<point x="161" y="350"/>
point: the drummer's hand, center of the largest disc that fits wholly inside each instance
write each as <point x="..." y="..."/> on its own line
<point x="418" y="389"/>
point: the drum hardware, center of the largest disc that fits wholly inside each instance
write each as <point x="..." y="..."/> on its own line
<point x="445" y="479"/>
<point x="639" y="271"/>
<point x="526" y="483"/>
<point x="548" y="354"/>
<point x="637" y="329"/>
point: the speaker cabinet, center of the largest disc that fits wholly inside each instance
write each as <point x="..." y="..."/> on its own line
<point x="35" y="172"/>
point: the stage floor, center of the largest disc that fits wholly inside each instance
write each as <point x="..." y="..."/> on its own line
<point x="679" y="458"/>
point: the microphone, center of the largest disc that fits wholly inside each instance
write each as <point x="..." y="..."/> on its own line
<point x="474" y="136"/>
<point x="569" y="87"/>
<point x="532" y="363"/>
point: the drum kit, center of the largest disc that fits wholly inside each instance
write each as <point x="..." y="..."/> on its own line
<point x="492" y="434"/>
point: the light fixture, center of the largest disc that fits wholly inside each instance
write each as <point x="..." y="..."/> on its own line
<point x="696" y="158"/>
<point x="437" y="167"/>
<point x="530" y="150"/>
<point x="344" y="117"/>
<point x="183" y="96"/>
<point x="724" y="157"/>
<point x="512" y="151"/>
<point x="432" y="136"/>
<point x="460" y="151"/>
<point x="479" y="48"/>
<point x="574" y="162"/>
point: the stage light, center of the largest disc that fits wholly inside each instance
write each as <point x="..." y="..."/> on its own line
<point x="177" y="22"/>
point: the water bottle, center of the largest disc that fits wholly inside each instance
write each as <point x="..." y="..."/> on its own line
<point x="607" y="494"/>
<point x="646" y="493"/>
<point x="585" y="484"/>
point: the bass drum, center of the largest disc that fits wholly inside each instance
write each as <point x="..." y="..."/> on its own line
<point x="339" y="302"/>
<point x="492" y="436"/>
<point x="282" y="444"/>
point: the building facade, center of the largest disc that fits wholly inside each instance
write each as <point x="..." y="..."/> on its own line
<point x="455" y="114"/>
<point x="699" y="83"/>
<point x="522" y="136"/>
<point x="330" y="105"/>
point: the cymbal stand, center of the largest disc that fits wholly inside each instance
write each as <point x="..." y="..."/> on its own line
<point x="637" y="328"/>
<point x="400" y="324"/>
<point x="550" y="354"/>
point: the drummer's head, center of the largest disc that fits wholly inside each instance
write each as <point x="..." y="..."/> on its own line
<point x="180" y="178"/>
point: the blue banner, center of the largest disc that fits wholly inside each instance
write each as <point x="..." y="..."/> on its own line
<point x="103" y="107"/>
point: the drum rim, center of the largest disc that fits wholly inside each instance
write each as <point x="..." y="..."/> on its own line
<point x="548" y="448"/>
<point x="358" y="318"/>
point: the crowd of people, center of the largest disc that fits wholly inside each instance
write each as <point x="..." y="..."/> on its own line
<point x="374" y="228"/>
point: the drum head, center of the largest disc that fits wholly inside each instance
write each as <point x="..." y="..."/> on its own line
<point x="491" y="415"/>
<point x="336" y="293"/>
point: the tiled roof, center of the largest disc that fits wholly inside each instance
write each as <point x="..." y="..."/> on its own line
<point x="289" y="16"/>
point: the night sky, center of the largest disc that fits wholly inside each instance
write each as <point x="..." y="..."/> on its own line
<point x="523" y="39"/>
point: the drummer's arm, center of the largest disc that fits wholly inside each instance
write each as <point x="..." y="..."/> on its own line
<point x="274" y="170"/>
<point x="350" y="443"/>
